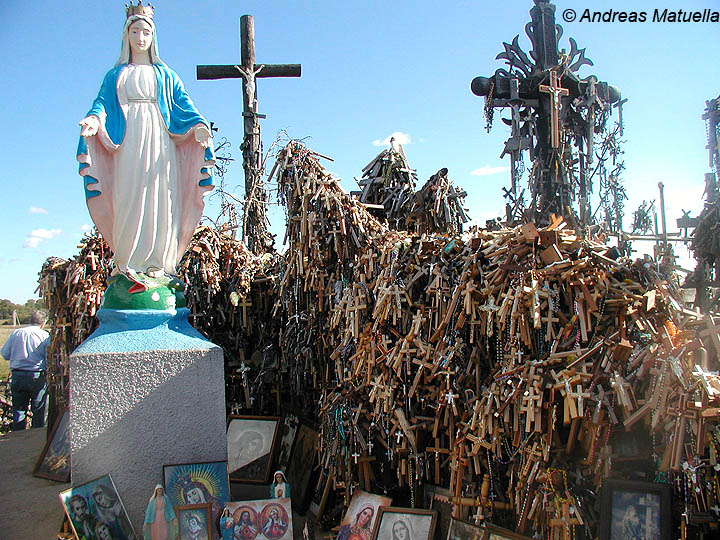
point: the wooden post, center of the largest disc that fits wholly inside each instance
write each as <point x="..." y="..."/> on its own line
<point x="254" y="229"/>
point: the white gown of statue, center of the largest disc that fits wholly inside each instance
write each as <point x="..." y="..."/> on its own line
<point x="144" y="232"/>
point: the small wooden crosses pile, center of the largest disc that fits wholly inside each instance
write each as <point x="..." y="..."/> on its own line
<point x="437" y="207"/>
<point x="218" y="270"/>
<point x="73" y="291"/>
<point x="502" y="364"/>
<point x="387" y="186"/>
<point x="511" y="366"/>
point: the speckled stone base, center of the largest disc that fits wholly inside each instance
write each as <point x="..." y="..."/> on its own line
<point x="146" y="390"/>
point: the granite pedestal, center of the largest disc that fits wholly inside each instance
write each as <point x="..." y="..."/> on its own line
<point x="146" y="390"/>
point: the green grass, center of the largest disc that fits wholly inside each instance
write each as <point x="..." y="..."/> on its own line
<point x="4" y="364"/>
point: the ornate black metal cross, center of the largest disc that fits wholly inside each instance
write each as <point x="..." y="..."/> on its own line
<point x="554" y="114"/>
<point x="254" y="231"/>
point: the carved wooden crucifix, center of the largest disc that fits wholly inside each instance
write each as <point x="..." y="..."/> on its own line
<point x="555" y="92"/>
<point x="248" y="70"/>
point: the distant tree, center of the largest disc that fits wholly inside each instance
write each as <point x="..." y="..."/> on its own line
<point x="23" y="311"/>
<point x="6" y="309"/>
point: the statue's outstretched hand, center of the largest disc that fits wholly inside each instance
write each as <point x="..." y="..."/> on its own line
<point x="90" y="126"/>
<point x="202" y="135"/>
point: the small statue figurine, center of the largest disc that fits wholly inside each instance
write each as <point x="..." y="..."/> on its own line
<point x="227" y="525"/>
<point x="146" y="157"/>
<point x="279" y="489"/>
<point x="160" y="521"/>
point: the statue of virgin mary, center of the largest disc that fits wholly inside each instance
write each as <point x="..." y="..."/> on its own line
<point x="146" y="157"/>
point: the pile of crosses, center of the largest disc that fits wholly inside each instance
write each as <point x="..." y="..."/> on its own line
<point x="218" y="271"/>
<point x="388" y="185"/>
<point x="511" y="366"/>
<point x="73" y="292"/>
<point x="519" y="368"/>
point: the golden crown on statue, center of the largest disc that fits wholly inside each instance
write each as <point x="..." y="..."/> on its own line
<point x="139" y="9"/>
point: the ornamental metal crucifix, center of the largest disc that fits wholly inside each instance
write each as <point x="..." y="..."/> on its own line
<point x="574" y="105"/>
<point x="254" y="225"/>
<point x="555" y="92"/>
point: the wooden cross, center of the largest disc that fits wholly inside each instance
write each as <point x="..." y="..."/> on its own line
<point x="555" y="92"/>
<point x="244" y="305"/>
<point x="490" y="308"/>
<point x="437" y="451"/>
<point x="356" y="306"/>
<point x="248" y="70"/>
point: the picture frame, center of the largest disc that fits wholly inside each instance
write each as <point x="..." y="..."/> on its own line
<point x="395" y="523"/>
<point x="493" y="532"/>
<point x="462" y="530"/>
<point x="251" y="442"/>
<point x="300" y="467"/>
<point x="631" y="510"/>
<point x="320" y="494"/>
<point x="266" y="519"/>
<point x="96" y="505"/>
<point x="54" y="460"/>
<point x="438" y="498"/>
<point x="362" y="513"/>
<point x="198" y="483"/>
<point x="194" y="521"/>
<point x="289" y="426"/>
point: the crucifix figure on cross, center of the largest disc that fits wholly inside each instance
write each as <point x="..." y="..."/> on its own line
<point x="555" y="91"/>
<point x="254" y="228"/>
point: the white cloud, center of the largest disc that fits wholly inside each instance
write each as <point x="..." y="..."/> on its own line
<point x="85" y="227"/>
<point x="399" y="136"/>
<point x="37" y="210"/>
<point x="487" y="170"/>
<point x="34" y="237"/>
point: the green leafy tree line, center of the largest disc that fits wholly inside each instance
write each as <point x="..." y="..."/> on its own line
<point x="23" y="311"/>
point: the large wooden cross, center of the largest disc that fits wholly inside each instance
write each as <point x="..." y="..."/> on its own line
<point x="248" y="70"/>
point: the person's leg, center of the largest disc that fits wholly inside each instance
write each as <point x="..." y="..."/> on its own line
<point x="21" y="397"/>
<point x="39" y="400"/>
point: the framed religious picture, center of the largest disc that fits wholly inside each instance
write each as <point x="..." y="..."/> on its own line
<point x="96" y="511"/>
<point x="635" y="510"/>
<point x="288" y="428"/>
<point x="404" y="524"/>
<point x="198" y="483"/>
<point x="251" y="444"/>
<point x="438" y="498"/>
<point x="320" y="493"/>
<point x="299" y="470"/>
<point x="493" y="532"/>
<point x="361" y="515"/>
<point x="195" y="522"/>
<point x="54" y="460"/>
<point x="462" y="530"/>
<point x="263" y="519"/>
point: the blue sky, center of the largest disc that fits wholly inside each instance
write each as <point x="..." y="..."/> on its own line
<point x="370" y="69"/>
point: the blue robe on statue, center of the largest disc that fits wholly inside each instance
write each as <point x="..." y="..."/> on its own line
<point x="141" y="119"/>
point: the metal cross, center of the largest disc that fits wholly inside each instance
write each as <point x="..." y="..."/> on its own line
<point x="619" y="106"/>
<point x="555" y="92"/>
